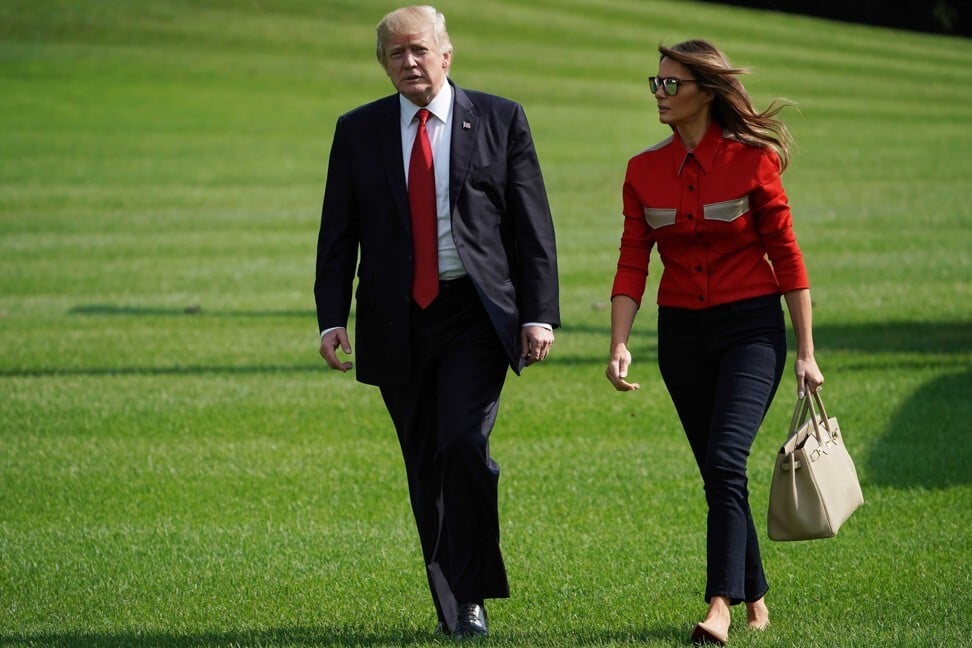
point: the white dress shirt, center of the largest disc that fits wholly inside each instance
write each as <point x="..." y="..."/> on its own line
<point x="439" y="127"/>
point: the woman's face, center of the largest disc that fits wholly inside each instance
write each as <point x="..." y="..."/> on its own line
<point x="691" y="103"/>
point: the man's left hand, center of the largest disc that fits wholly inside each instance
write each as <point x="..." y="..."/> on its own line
<point x="535" y="342"/>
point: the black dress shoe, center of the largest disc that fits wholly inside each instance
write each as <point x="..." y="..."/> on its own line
<point x="471" y="622"/>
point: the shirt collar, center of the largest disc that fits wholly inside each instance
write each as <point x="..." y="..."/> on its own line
<point x="704" y="153"/>
<point x="440" y="106"/>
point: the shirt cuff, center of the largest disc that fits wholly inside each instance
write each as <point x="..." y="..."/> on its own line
<point x="540" y="324"/>
<point x="328" y="330"/>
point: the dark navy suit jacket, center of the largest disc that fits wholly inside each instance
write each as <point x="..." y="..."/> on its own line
<point x="501" y="225"/>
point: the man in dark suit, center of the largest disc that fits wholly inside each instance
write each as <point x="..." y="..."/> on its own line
<point x="440" y="189"/>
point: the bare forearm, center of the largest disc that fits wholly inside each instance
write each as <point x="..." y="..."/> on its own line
<point x="801" y="317"/>
<point x="623" y="311"/>
<point x="808" y="374"/>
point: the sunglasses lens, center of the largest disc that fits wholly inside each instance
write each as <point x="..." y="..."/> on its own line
<point x="670" y="85"/>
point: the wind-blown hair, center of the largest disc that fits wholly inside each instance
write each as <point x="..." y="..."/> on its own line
<point x="732" y="107"/>
<point x="413" y="20"/>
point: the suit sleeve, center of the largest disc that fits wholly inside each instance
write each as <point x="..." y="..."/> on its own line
<point x="337" y="241"/>
<point x="536" y="249"/>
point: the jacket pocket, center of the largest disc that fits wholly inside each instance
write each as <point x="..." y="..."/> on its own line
<point x="727" y="210"/>
<point x="657" y="217"/>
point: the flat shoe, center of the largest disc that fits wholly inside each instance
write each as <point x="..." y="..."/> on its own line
<point x="703" y="634"/>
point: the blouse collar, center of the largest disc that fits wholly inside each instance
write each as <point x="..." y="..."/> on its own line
<point x="704" y="153"/>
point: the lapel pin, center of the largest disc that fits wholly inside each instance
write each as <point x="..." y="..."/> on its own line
<point x="466" y="125"/>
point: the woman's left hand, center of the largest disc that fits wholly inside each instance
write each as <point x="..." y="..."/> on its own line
<point x="617" y="369"/>
<point x="808" y="375"/>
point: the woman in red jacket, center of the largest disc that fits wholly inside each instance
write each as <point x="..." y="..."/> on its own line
<point x="710" y="198"/>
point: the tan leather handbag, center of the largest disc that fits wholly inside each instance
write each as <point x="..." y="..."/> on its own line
<point x="815" y="486"/>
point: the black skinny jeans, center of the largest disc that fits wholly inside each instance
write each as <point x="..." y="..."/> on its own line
<point x="722" y="367"/>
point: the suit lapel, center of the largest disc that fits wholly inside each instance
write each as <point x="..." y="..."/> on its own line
<point x="390" y="139"/>
<point x="465" y="121"/>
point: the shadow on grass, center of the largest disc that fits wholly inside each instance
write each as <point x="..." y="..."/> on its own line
<point x="913" y="338"/>
<point x="175" y="311"/>
<point x="313" y="366"/>
<point x="896" y="337"/>
<point x="927" y="444"/>
<point x="269" y="637"/>
<point x="328" y="637"/>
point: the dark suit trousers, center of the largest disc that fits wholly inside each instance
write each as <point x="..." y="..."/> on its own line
<point x="444" y="416"/>
<point x="722" y="367"/>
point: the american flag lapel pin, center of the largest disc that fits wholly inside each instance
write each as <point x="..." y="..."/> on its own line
<point x="466" y="125"/>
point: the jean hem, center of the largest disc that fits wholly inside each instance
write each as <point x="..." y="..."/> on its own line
<point x="736" y="600"/>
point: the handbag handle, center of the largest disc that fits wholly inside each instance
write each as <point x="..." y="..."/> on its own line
<point x="799" y="414"/>
<point x="823" y="412"/>
<point x="806" y="405"/>
<point x="810" y="406"/>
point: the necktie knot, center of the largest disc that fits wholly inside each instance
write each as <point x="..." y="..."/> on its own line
<point x="423" y="116"/>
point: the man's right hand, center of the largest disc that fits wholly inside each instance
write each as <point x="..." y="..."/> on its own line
<point x="330" y="342"/>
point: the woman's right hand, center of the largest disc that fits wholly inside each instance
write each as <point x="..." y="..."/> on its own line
<point x="617" y="369"/>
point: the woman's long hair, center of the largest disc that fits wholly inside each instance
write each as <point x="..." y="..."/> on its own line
<point x="732" y="107"/>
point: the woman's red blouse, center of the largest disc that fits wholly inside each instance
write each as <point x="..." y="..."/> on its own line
<point x="720" y="218"/>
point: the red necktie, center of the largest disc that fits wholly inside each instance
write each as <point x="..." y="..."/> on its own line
<point x="422" y="205"/>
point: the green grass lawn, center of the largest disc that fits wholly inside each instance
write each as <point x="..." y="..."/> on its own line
<point x="178" y="467"/>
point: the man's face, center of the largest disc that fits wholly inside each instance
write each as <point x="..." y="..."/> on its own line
<point x="415" y="66"/>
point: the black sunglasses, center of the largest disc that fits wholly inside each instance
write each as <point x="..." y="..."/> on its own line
<point x="669" y="83"/>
